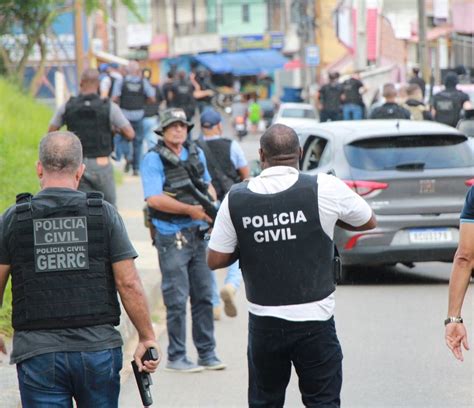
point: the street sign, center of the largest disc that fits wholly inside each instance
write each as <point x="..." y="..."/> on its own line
<point x="312" y="55"/>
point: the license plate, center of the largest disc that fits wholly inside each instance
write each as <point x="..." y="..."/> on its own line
<point x="433" y="235"/>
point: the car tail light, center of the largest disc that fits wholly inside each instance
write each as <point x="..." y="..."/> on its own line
<point x="366" y="188"/>
<point x="352" y="242"/>
<point x="469" y="182"/>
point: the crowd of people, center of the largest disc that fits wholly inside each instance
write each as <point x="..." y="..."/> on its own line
<point x="70" y="256"/>
<point x="344" y="100"/>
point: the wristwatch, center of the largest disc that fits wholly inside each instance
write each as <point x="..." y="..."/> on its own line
<point x="453" y="319"/>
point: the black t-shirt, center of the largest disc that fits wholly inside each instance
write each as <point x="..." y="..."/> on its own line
<point x="351" y="89"/>
<point x="30" y="343"/>
<point x="467" y="214"/>
<point x="390" y="110"/>
<point x="330" y="96"/>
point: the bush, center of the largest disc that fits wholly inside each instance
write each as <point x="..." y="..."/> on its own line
<point x="22" y="123"/>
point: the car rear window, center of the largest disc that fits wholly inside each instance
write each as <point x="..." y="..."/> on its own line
<point x="410" y="153"/>
<point x="298" y="113"/>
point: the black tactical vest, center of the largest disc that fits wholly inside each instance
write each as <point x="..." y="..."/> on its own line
<point x="88" y="117"/>
<point x="178" y="173"/>
<point x="285" y="256"/>
<point x="133" y="95"/>
<point x="223" y="172"/>
<point x="447" y="105"/>
<point x="61" y="275"/>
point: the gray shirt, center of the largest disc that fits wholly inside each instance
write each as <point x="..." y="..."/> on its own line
<point x="116" y="117"/>
<point x="30" y="343"/>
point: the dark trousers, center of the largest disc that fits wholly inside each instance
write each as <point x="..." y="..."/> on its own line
<point x="329" y="115"/>
<point x="313" y="348"/>
<point x="185" y="274"/>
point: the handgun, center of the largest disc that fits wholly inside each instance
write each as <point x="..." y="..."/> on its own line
<point x="143" y="378"/>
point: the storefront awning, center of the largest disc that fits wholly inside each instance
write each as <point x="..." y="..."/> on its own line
<point x="251" y="62"/>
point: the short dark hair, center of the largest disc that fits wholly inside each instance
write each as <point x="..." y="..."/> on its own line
<point x="280" y="145"/>
<point x="412" y="89"/>
<point x="60" y="151"/>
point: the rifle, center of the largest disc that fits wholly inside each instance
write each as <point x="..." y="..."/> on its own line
<point x="201" y="198"/>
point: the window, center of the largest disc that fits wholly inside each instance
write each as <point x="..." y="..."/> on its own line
<point x="245" y="13"/>
<point x="409" y="153"/>
<point x="316" y="153"/>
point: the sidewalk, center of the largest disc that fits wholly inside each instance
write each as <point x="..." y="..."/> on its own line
<point x="130" y="203"/>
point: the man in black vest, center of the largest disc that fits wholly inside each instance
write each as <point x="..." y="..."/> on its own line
<point x="280" y="226"/>
<point x="447" y="104"/>
<point x="132" y="93"/>
<point x="390" y="109"/>
<point x="329" y="99"/>
<point x="183" y="95"/>
<point x="69" y="253"/>
<point x="227" y="166"/>
<point x="175" y="179"/>
<point x="92" y="119"/>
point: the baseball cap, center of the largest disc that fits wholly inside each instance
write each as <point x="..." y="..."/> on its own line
<point x="210" y="118"/>
<point x="170" y="116"/>
<point x="103" y="67"/>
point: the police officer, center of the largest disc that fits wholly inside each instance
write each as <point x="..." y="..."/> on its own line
<point x="447" y="104"/>
<point x="227" y="166"/>
<point x="183" y="95"/>
<point x="352" y="102"/>
<point x="150" y="120"/>
<point x="69" y="254"/>
<point x="92" y="119"/>
<point x="132" y="93"/>
<point x="329" y="99"/>
<point x="462" y="269"/>
<point x="203" y="89"/>
<point x="390" y="109"/>
<point x="280" y="225"/>
<point x="174" y="176"/>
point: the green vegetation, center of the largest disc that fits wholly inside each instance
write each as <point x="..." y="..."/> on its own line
<point x="22" y="123"/>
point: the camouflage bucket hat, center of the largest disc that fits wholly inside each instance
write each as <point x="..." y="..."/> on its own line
<point x="170" y="116"/>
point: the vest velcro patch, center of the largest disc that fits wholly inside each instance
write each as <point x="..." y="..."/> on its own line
<point x="61" y="244"/>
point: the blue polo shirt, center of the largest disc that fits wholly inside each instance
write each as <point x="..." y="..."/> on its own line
<point x="467" y="214"/>
<point x="153" y="179"/>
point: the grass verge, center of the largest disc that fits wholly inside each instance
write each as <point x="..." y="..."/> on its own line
<point x="22" y="123"/>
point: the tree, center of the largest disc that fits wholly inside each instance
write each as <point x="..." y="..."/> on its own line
<point x="25" y="24"/>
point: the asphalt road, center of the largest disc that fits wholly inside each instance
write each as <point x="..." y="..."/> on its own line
<point x="390" y="324"/>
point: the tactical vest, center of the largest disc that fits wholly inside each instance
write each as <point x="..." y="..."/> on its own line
<point x="390" y="111"/>
<point x="133" y="95"/>
<point x="448" y="107"/>
<point x="88" y="117"/>
<point x="222" y="170"/>
<point x="61" y="275"/>
<point x="177" y="173"/>
<point x="285" y="255"/>
<point x="151" y="109"/>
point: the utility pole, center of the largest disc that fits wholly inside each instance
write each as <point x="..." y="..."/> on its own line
<point x="79" y="39"/>
<point x="361" y="46"/>
<point x="422" y="44"/>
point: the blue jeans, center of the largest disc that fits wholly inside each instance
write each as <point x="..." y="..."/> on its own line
<point x="150" y="123"/>
<point x="54" y="379"/>
<point x="185" y="274"/>
<point x="233" y="276"/>
<point x="352" y="111"/>
<point x="137" y="143"/>
<point x="122" y="148"/>
<point x="313" y="348"/>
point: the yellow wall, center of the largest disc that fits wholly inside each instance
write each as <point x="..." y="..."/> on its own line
<point x="330" y="48"/>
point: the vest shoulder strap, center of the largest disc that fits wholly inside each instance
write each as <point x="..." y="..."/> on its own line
<point x="23" y="207"/>
<point x="95" y="202"/>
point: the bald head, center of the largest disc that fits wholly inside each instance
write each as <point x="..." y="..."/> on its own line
<point x="60" y="152"/>
<point x="89" y="81"/>
<point x="134" y="68"/>
<point x="280" y="146"/>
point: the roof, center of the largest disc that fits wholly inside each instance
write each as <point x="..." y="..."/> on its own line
<point x="352" y="130"/>
<point x="296" y="105"/>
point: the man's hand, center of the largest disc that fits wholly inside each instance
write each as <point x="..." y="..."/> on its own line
<point x="3" y="348"/>
<point x="196" y="212"/>
<point x="455" y="335"/>
<point x="149" y="366"/>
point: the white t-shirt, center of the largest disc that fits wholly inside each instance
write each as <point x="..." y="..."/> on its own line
<point x="336" y="201"/>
